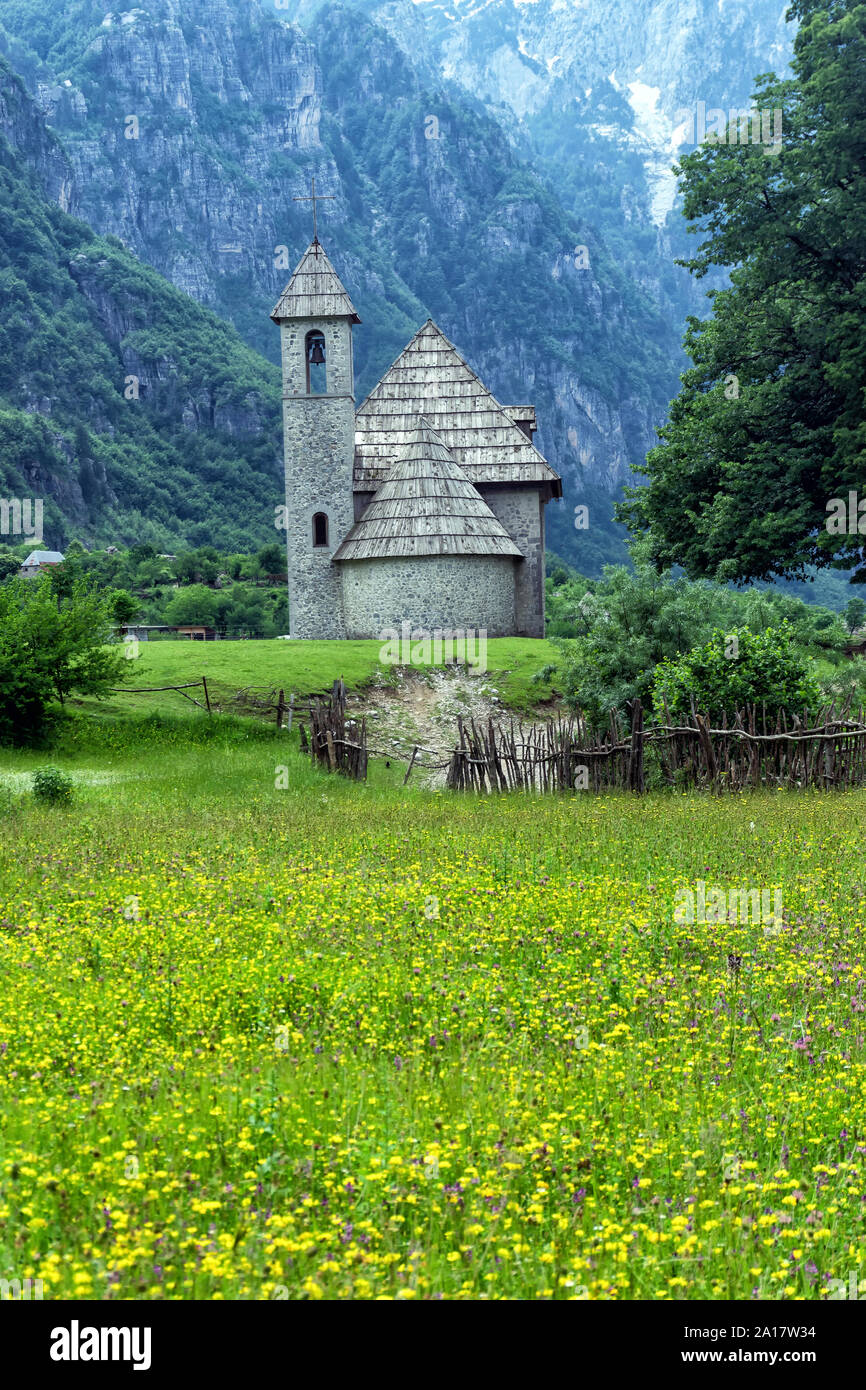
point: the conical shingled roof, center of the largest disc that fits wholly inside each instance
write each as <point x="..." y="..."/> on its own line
<point x="315" y="291"/>
<point x="430" y="378"/>
<point x="426" y="506"/>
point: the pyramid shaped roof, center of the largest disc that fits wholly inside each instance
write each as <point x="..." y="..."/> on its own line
<point x="426" y="506"/>
<point x="430" y="378"/>
<point x="315" y="291"/>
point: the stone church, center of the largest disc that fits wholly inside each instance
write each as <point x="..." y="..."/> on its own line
<point x="426" y="505"/>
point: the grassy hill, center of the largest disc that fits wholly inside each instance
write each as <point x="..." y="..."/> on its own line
<point x="309" y="668"/>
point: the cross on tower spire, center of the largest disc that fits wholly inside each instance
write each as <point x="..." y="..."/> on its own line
<point x="314" y="198"/>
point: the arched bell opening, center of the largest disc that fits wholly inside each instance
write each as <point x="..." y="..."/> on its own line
<point x="316" y="358"/>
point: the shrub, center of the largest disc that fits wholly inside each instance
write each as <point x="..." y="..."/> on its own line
<point x="50" y="784"/>
<point x="53" y="635"/>
<point x="735" y="669"/>
<point x="847" y="685"/>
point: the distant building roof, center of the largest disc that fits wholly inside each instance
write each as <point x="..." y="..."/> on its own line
<point x="314" y="291"/>
<point x="426" y="506"/>
<point x="430" y="378"/>
<point x="44" y="557"/>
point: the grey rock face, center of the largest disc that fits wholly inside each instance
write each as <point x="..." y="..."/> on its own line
<point x="21" y="126"/>
<point x="179" y="135"/>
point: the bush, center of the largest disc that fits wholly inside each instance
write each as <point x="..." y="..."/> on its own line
<point x="735" y="669"/>
<point x="50" y="784"/>
<point x="53" y="636"/>
<point x="847" y="685"/>
<point x="613" y="633"/>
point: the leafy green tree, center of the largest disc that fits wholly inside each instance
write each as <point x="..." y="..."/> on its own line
<point x="736" y="669"/>
<point x="64" y="577"/>
<point x="51" y="645"/>
<point x="626" y="626"/>
<point x="194" y="604"/>
<point x="620" y="629"/>
<point x="272" y="559"/>
<point x="854" y="614"/>
<point x="125" y="608"/>
<point x="151" y="573"/>
<point x="198" y="566"/>
<point x="246" y="616"/>
<point x="769" y="426"/>
<point x="139" y="553"/>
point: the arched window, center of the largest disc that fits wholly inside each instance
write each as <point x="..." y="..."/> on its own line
<point x="317" y="372"/>
<point x="320" y="530"/>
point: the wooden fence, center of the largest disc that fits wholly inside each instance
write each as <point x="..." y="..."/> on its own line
<point x="156" y="689"/>
<point x="747" y="751"/>
<point x="826" y="750"/>
<point x="561" y="755"/>
<point x="335" y="742"/>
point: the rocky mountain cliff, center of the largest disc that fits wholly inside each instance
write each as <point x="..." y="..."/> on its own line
<point x="132" y="411"/>
<point x="190" y="127"/>
<point x="613" y="74"/>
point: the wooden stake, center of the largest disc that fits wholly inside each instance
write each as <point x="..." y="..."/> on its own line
<point x="411" y="764"/>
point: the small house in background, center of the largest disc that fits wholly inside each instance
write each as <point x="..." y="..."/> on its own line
<point x="141" y="632"/>
<point x="145" y="632"/>
<point x="39" y="560"/>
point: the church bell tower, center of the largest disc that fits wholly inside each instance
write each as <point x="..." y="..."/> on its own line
<point x="315" y="317"/>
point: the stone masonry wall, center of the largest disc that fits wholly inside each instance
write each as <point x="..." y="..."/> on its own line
<point x="521" y="512"/>
<point x="319" y="441"/>
<point x="435" y="591"/>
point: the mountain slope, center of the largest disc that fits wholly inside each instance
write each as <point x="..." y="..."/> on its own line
<point x="134" y="412"/>
<point x="435" y="212"/>
<point x="618" y="71"/>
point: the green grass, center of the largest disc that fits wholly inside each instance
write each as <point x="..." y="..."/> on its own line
<point x="309" y="668"/>
<point x="347" y="1040"/>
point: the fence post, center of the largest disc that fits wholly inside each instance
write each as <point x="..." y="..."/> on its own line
<point x="280" y="709"/>
<point x="332" y="756"/>
<point x="411" y="764"/>
<point x="291" y="712"/>
<point x="635" y="761"/>
<point x="206" y="696"/>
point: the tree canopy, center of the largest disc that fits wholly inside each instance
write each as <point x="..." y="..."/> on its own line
<point x="52" y="644"/>
<point x="767" y="439"/>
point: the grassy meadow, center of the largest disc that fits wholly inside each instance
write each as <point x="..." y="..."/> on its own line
<point x="328" y="1040"/>
<point x="310" y="668"/>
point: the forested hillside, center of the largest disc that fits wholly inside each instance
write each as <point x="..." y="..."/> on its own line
<point x="134" y="412"/>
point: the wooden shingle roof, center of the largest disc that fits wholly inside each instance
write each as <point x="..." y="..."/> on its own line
<point x="430" y="378"/>
<point x="426" y="506"/>
<point x="315" y="291"/>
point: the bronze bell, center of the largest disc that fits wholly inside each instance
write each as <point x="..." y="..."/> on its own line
<point x="317" y="354"/>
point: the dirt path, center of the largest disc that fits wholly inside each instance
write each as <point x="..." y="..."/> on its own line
<point x="422" y="706"/>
